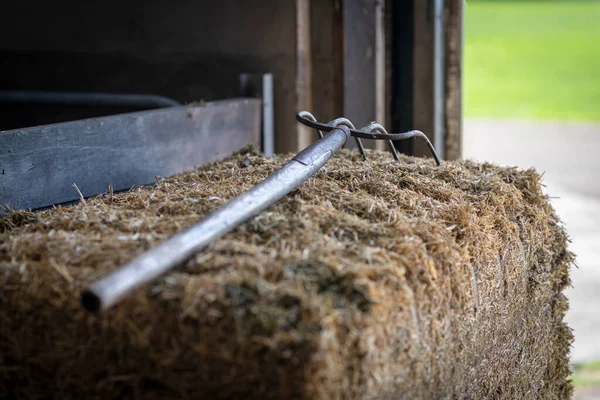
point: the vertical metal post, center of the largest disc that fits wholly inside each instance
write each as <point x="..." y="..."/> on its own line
<point x="255" y="85"/>
<point x="268" y="119"/>
<point x="380" y="68"/>
<point x="462" y="72"/>
<point x="438" y="77"/>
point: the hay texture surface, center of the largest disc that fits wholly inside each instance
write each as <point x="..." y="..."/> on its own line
<point x="373" y="280"/>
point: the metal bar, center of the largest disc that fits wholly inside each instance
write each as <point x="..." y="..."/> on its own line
<point x="87" y="99"/>
<point x="380" y="69"/>
<point x="39" y="165"/>
<point x="261" y="85"/>
<point x="167" y="255"/>
<point x="438" y="77"/>
<point x="268" y="116"/>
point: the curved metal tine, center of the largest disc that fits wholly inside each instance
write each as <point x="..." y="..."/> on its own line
<point x="349" y="124"/>
<point x="398" y="136"/>
<point x="430" y="145"/>
<point x="307" y="115"/>
<point x="374" y="126"/>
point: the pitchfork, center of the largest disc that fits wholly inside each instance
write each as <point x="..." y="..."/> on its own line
<point x="107" y="291"/>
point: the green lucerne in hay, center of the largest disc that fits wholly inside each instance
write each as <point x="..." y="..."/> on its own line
<point x="374" y="280"/>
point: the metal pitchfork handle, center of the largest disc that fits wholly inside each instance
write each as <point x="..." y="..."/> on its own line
<point x="109" y="290"/>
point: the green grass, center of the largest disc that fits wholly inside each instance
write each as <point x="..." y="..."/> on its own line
<point x="586" y="375"/>
<point x="532" y="59"/>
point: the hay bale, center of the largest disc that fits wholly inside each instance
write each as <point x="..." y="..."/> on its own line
<point x="375" y="280"/>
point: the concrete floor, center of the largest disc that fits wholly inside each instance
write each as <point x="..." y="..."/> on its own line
<point x="568" y="153"/>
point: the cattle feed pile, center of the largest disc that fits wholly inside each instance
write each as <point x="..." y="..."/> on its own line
<point x="373" y="280"/>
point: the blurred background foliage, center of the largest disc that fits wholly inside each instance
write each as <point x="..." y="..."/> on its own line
<point x="532" y="59"/>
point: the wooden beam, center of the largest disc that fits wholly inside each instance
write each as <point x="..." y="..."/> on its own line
<point x="191" y="51"/>
<point x="327" y="59"/>
<point x="360" y="89"/>
<point x="453" y="64"/>
<point x="423" y="74"/>
<point x="303" y="69"/>
<point x="346" y="47"/>
<point x="39" y="165"/>
<point x="428" y="35"/>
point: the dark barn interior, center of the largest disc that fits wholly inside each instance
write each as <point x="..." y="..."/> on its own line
<point x="366" y="60"/>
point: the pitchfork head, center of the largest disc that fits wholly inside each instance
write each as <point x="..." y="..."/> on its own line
<point x="373" y="131"/>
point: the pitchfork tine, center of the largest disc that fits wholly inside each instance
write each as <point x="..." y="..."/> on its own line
<point x="307" y="115"/>
<point x="349" y="124"/>
<point x="374" y="126"/>
<point x="373" y="131"/>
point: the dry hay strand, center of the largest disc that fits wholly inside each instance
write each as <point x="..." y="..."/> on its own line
<point x="373" y="280"/>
